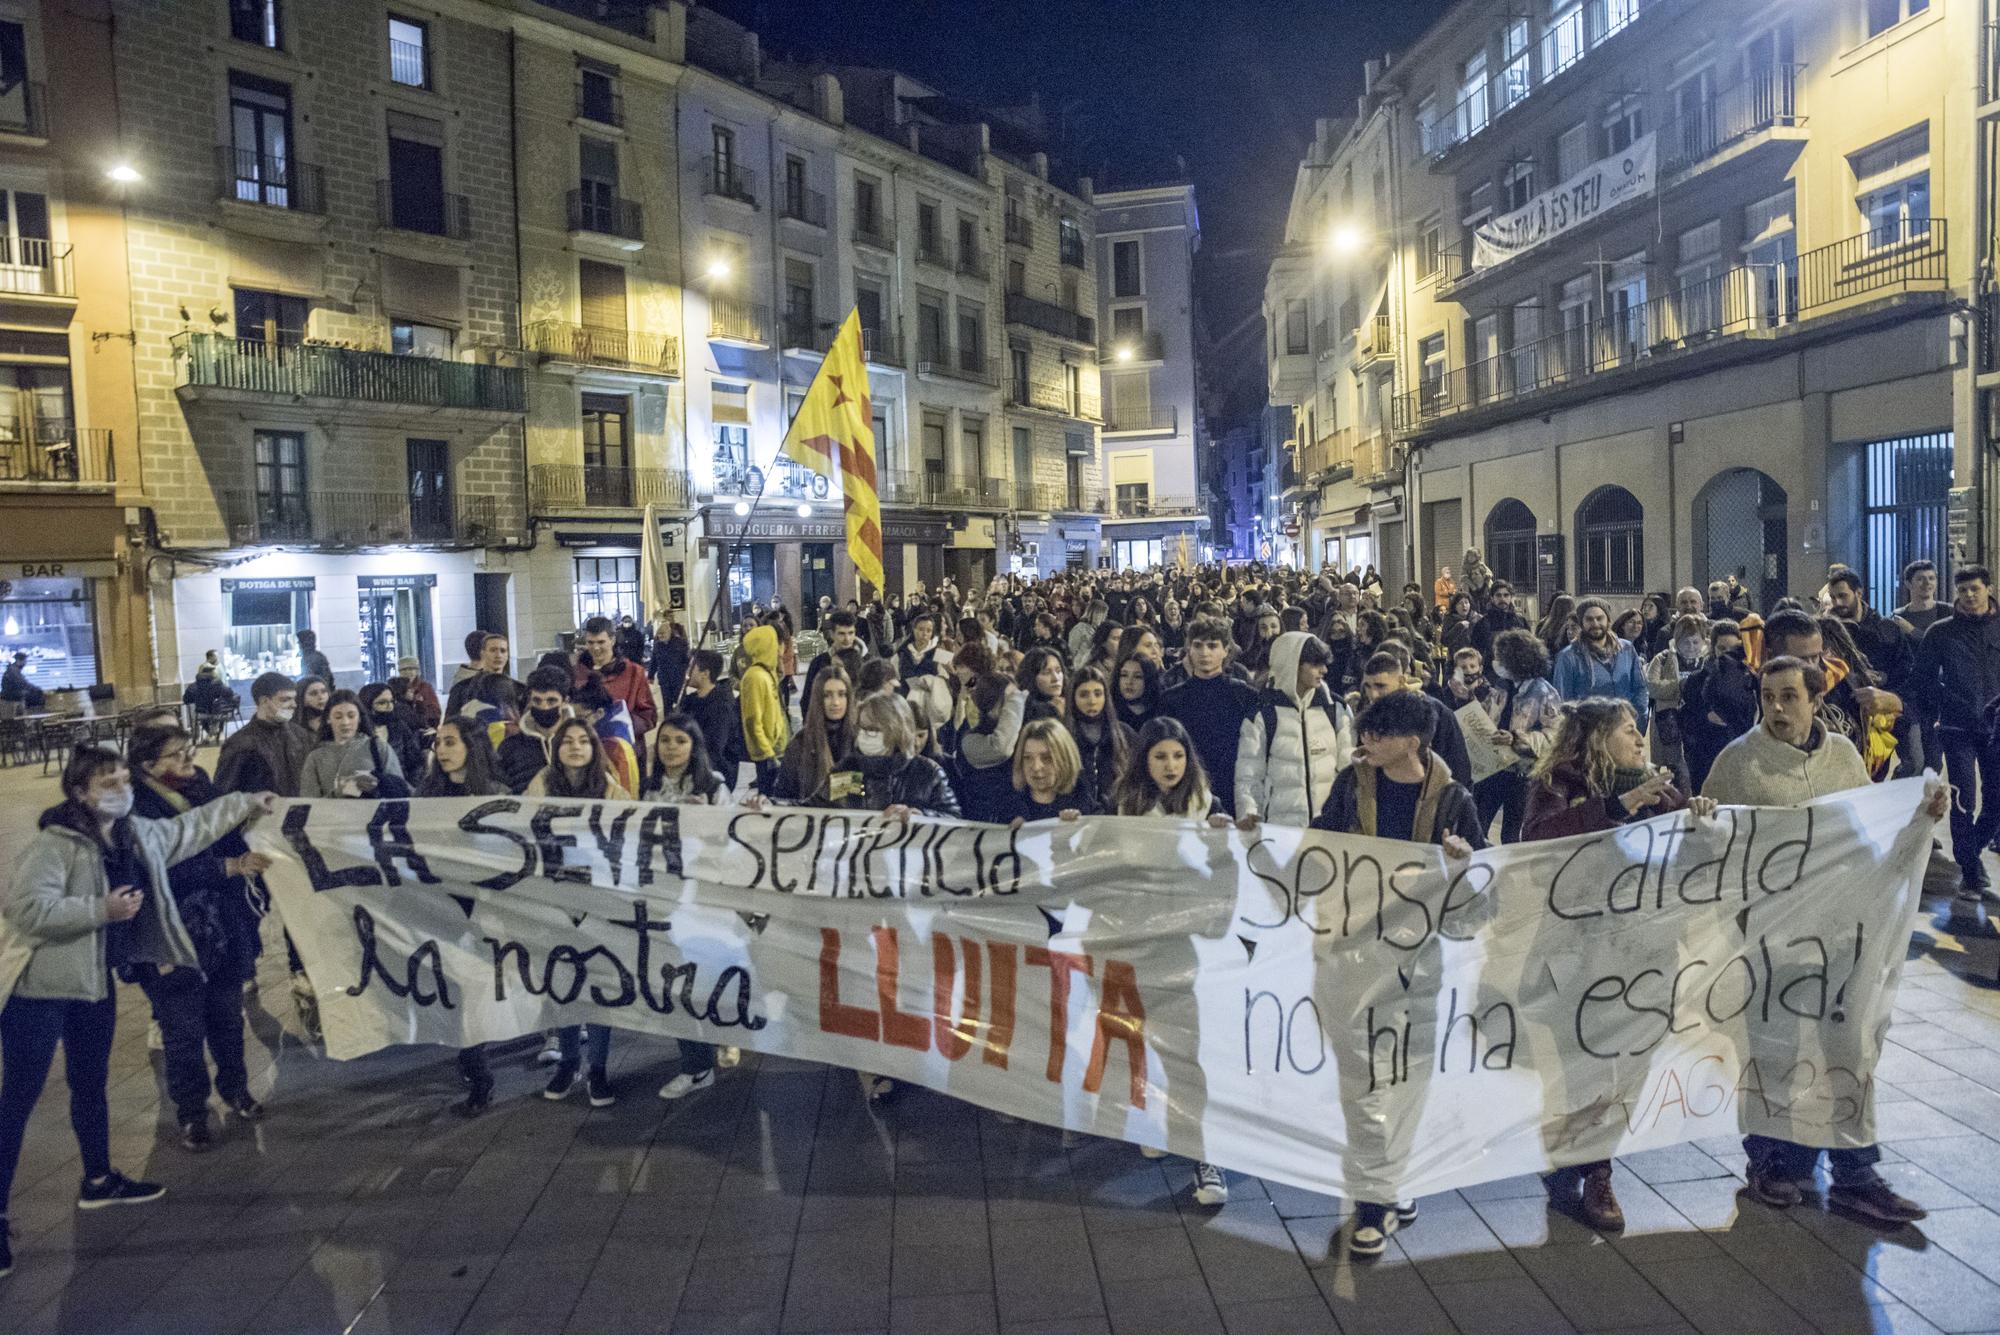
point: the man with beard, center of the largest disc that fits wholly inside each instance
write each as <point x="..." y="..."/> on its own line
<point x="1849" y="697"/>
<point x="1887" y="646"/>
<point x="1600" y="663"/>
<point x="1496" y="619"/>
<point x="1789" y="760"/>
<point x="1958" y="675"/>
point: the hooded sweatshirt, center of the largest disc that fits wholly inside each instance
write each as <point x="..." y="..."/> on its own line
<point x="1759" y="770"/>
<point x="764" y="730"/>
<point x="1292" y="747"/>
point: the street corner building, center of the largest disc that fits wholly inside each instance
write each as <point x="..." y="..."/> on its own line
<point x="389" y="322"/>
<point x="1633" y="294"/>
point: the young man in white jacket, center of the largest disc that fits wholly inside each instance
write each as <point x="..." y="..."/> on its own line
<point x="1296" y="742"/>
<point x="1787" y="759"/>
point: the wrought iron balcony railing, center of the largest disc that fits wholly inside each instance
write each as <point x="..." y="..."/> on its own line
<point x="310" y="370"/>
<point x="739" y="321"/>
<point x="729" y="180"/>
<point x="595" y="210"/>
<point x="560" y="488"/>
<point x="31" y="266"/>
<point x="804" y="205"/>
<point x="54" y="452"/>
<point x="414" y="209"/>
<point x="598" y="345"/>
<point x="341" y="518"/>
<point x="1050" y="318"/>
<point x="249" y="177"/>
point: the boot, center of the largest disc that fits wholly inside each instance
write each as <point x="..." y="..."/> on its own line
<point x="1600" y="1202"/>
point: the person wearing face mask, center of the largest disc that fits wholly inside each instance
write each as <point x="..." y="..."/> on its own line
<point x="527" y="752"/>
<point x="267" y="752"/>
<point x="389" y="723"/>
<point x="1718" y="700"/>
<point x="90" y="895"/>
<point x="1666" y="673"/>
<point x="201" y="1007"/>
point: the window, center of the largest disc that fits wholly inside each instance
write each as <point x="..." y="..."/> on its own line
<point x="1125" y="269"/>
<point x="256" y="21"/>
<point x="930" y="246"/>
<point x="801" y="306"/>
<point x="601" y="299"/>
<point x="1610" y="552"/>
<point x="1562" y="37"/>
<point x="935" y="427"/>
<point x="1428" y="121"/>
<point x="280" y="458"/>
<point x="1695" y="115"/>
<point x="1472" y="110"/>
<point x="607" y="457"/>
<point x="416" y="194"/>
<point x="1516" y="77"/>
<point x="51" y="621"/>
<point x="795" y="186"/>
<point x="608" y="586"/>
<point x="1613" y="16"/>
<point x="408" y="339"/>
<point x="24" y="243"/>
<point x="1128" y="324"/>
<point x="972" y="440"/>
<point x="260" y="140"/>
<point x="269" y="317"/>
<point x="597" y="95"/>
<point x="1517" y="186"/>
<point x="1430" y="247"/>
<point x="1071" y="293"/>
<point x="1071" y="234"/>
<point x="264" y="616"/>
<point x="1572" y="151"/>
<point x="1771" y="252"/>
<point x="1024" y="457"/>
<point x="429" y="469"/>
<point x="1624" y="124"/>
<point x="968" y="244"/>
<point x="1886" y="14"/>
<point x="1431" y="357"/>
<point x="1478" y="206"/>
<point x="1296" y="340"/>
<point x="1625" y="305"/>
<point x="1908" y="485"/>
<point x="1893" y="187"/>
<point x="722" y="142"/>
<point x="868" y="301"/>
<point x="1017" y="276"/>
<point x="1510" y="543"/>
<point x="1017" y="373"/>
<point x="867" y="205"/>
<point x="971" y="337"/>
<point x="1072" y="389"/>
<point x="930" y="329"/>
<point x="409" y="52"/>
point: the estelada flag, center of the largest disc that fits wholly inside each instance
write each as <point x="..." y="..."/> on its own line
<point x="834" y="436"/>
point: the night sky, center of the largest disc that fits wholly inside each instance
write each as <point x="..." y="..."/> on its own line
<point x="1142" y="86"/>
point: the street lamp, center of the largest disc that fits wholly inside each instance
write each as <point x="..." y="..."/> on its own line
<point x="742" y="509"/>
<point x="718" y="268"/>
<point x="123" y="173"/>
<point x="805" y="510"/>
<point x="1346" y="239"/>
<point x="1123" y="352"/>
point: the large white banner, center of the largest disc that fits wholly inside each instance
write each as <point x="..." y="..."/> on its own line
<point x="1601" y="186"/>
<point x="1351" y="1015"/>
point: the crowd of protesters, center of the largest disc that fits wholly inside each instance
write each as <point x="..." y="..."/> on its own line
<point x="1230" y="695"/>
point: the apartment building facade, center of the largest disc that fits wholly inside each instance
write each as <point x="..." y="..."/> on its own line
<point x="72" y="571"/>
<point x="1157" y="453"/>
<point x="1689" y="290"/>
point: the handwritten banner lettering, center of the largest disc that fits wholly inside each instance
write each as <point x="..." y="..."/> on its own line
<point x="1595" y="190"/>
<point x="1350" y="1015"/>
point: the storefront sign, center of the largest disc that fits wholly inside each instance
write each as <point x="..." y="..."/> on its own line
<point x="287" y="585"/>
<point x="61" y="569"/>
<point x="398" y="581"/>
<point x="723" y="529"/>
<point x="1600" y="187"/>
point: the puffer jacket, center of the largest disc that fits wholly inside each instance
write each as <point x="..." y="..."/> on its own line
<point x="916" y="782"/>
<point x="1758" y="770"/>
<point x="764" y="730"/>
<point x="1292" y="747"/>
<point x="51" y="942"/>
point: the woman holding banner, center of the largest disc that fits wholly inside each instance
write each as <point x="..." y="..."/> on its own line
<point x="1594" y="777"/>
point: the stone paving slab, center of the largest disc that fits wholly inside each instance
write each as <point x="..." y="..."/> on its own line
<point x="781" y="1201"/>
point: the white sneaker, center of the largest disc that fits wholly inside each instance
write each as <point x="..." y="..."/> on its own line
<point x="728" y="1057"/>
<point x="1210" y="1186"/>
<point x="683" y="1085"/>
<point x="155" y="1040"/>
<point x="1151" y="1152"/>
<point x="551" y="1049"/>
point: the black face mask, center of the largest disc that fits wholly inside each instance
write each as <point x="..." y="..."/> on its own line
<point x="545" y="718"/>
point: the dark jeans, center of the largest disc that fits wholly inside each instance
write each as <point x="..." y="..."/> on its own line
<point x="30" y="1028"/>
<point x="473" y="1068"/>
<point x="569" y="1041"/>
<point x="1506" y="793"/>
<point x="696" y="1058"/>
<point x="1791" y="1161"/>
<point x="196" y="1010"/>
<point x="1973" y="767"/>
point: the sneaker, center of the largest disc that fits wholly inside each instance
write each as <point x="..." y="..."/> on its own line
<point x="247" y="1108"/>
<point x="1151" y="1152"/>
<point x="683" y="1085"/>
<point x="728" y="1057"/>
<point x="1874" y="1199"/>
<point x="1406" y="1213"/>
<point x="560" y="1084"/>
<point x="114" y="1188"/>
<point x="155" y="1040"/>
<point x="477" y="1099"/>
<point x="879" y="1087"/>
<point x="1210" y="1186"/>
<point x="602" y="1095"/>
<point x="306" y="1002"/>
<point x="1373" y="1225"/>
<point x="551" y="1053"/>
<point x="1777" y="1192"/>
<point x="1600" y="1203"/>
<point x="194" y="1134"/>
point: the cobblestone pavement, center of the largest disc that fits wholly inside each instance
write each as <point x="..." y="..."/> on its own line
<point x="779" y="1201"/>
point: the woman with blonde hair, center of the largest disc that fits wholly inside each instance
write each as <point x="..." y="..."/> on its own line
<point x="1047" y="769"/>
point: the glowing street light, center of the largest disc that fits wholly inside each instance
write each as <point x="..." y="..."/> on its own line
<point x="123" y="173"/>
<point x="805" y="510"/>
<point x="742" y="509"/>
<point x="1346" y="239"/>
<point x="718" y="268"/>
<point x="1123" y="352"/>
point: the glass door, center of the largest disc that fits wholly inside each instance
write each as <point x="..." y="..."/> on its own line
<point x="260" y="129"/>
<point x="430" y="490"/>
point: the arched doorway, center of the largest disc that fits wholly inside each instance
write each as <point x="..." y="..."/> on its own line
<point x="1610" y="542"/>
<point x="1740" y="530"/>
<point x="1510" y="544"/>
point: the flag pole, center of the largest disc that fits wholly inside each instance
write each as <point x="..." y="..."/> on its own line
<point x="736" y="545"/>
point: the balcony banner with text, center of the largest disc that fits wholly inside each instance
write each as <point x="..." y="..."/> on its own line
<point x="1592" y="192"/>
<point x="1351" y="1015"/>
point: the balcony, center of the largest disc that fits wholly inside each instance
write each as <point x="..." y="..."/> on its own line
<point x="1743" y="303"/>
<point x="873" y="232"/>
<point x="1373" y="342"/>
<point x="722" y="179"/>
<point x="1050" y="318"/>
<point x="31" y="266"/>
<point x="932" y="251"/>
<point x="1707" y="130"/>
<point x="52" y="452"/>
<point x="1159" y="507"/>
<point x="1048" y="396"/>
<point x="248" y="177"/>
<point x="961" y="364"/>
<point x="598" y="345"/>
<point x="950" y="491"/>
<point x="567" y="488"/>
<point x="1131" y="348"/>
<point x="329" y="518"/>
<point x="1143" y="420"/>
<point x="1324" y="460"/>
<point x="733" y="321"/>
<point x="803" y="205"/>
<point x="1074" y="253"/>
<point x="24" y="111"/>
<point x="212" y="365"/>
<point x="1057" y="497"/>
<point x="972" y="264"/>
<point x="880" y="346"/>
<point x="803" y="332"/>
<point x="1018" y="230"/>
<point x="1378" y="461"/>
<point x="593" y="209"/>
<point x="428" y="212"/>
<point x="597" y="101"/>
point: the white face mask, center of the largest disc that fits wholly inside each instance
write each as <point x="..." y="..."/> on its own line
<point x="1688" y="646"/>
<point x="285" y="715"/>
<point x="871" y="742"/>
<point x="114" y="806"/>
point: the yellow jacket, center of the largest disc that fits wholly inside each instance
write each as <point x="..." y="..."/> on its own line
<point x="764" y="729"/>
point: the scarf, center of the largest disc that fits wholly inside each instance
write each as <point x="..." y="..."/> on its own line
<point x="1625" y="780"/>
